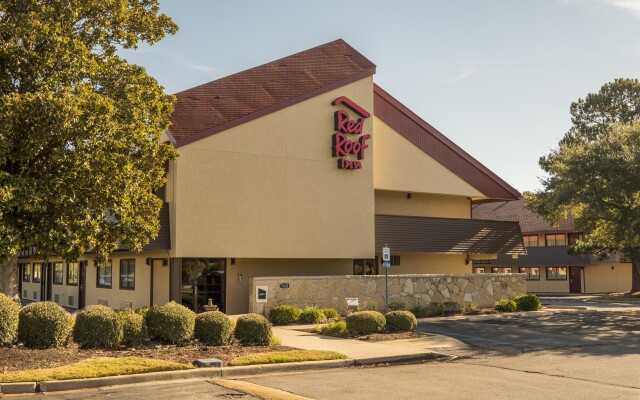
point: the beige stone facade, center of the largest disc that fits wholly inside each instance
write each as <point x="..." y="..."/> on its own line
<point x="412" y="290"/>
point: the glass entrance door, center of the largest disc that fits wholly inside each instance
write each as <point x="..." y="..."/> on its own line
<point x="203" y="281"/>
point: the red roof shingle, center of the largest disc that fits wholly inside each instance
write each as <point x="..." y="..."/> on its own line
<point x="230" y="101"/>
<point x="530" y="222"/>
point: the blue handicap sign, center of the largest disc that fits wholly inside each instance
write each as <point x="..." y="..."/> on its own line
<point x="386" y="264"/>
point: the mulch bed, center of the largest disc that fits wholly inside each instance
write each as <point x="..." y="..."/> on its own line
<point x="384" y="336"/>
<point x="17" y="359"/>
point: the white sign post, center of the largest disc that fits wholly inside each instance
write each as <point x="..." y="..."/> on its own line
<point x="386" y="263"/>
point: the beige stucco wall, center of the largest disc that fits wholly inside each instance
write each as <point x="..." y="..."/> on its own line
<point x="422" y="204"/>
<point x="332" y="291"/>
<point x="270" y="187"/>
<point x="401" y="166"/>
<point x="429" y="263"/>
<point x="603" y="279"/>
<point x="545" y="286"/>
<point x="237" y="300"/>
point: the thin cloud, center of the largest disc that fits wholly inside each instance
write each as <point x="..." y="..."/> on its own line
<point x="469" y="71"/>
<point x="630" y="6"/>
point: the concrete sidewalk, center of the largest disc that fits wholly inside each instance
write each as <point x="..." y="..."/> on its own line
<point x="427" y="346"/>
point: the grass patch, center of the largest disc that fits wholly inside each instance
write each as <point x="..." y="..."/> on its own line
<point x="277" y="357"/>
<point x="93" y="368"/>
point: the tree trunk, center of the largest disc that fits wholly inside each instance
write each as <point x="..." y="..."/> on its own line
<point x="635" y="267"/>
<point x="9" y="277"/>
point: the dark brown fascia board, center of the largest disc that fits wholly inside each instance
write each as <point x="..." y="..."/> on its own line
<point x="447" y="142"/>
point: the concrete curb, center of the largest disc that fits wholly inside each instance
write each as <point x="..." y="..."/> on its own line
<point x="489" y="317"/>
<point x="559" y="307"/>
<point x="225" y="372"/>
<point x="18" y="388"/>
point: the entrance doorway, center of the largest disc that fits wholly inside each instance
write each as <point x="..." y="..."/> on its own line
<point x="82" y="286"/>
<point x="203" y="281"/>
<point x="575" y="280"/>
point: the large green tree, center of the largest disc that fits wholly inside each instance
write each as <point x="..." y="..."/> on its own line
<point x="594" y="174"/>
<point x="80" y="127"/>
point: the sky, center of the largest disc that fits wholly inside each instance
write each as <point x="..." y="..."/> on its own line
<point x="496" y="77"/>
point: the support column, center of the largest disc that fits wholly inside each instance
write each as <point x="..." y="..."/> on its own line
<point x="175" y="280"/>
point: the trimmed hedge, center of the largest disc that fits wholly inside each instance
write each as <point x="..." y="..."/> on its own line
<point x="9" y="312"/>
<point x="311" y="315"/>
<point x="171" y="322"/>
<point x="364" y="322"/>
<point x="213" y="327"/>
<point x="505" y="305"/>
<point x="451" y="307"/>
<point x="134" y="330"/>
<point x="335" y="328"/>
<point x="527" y="302"/>
<point x="253" y="329"/>
<point x="97" y="326"/>
<point x="401" y="321"/>
<point x="397" y="305"/>
<point x="43" y="324"/>
<point x="330" y="313"/>
<point x="284" y="315"/>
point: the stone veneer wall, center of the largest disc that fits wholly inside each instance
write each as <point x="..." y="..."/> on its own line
<point x="332" y="291"/>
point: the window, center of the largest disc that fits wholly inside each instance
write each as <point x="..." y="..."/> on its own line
<point x="365" y="267"/>
<point x="478" y="270"/>
<point x="72" y="274"/>
<point x="533" y="273"/>
<point x="556" y="273"/>
<point x="530" y="241"/>
<point x="574" y="237"/>
<point x="37" y="272"/>
<point x="395" y="261"/>
<point x="500" y="270"/>
<point x="58" y="273"/>
<point x="103" y="275"/>
<point x="555" y="240"/>
<point x="26" y="272"/>
<point x="128" y="274"/>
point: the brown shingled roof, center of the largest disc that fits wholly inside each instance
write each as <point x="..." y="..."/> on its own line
<point x="233" y="100"/>
<point x="530" y="222"/>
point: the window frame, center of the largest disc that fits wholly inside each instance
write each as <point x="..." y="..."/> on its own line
<point x="37" y="279"/>
<point x="577" y="236"/>
<point x="510" y="270"/>
<point x="69" y="274"/>
<point x="26" y="272"/>
<point x="527" y="243"/>
<point x="53" y="278"/>
<point x="120" y="273"/>
<point x="104" y="265"/>
<point x="557" y="278"/>
<point x="546" y="239"/>
<point x="364" y="262"/>
<point x="526" y="271"/>
<point x="476" y="270"/>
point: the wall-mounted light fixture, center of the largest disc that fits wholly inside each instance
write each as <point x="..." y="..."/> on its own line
<point x="239" y="277"/>
<point x="409" y="195"/>
<point x="612" y="267"/>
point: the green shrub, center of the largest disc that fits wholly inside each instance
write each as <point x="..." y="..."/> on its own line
<point x="397" y="305"/>
<point x="9" y="311"/>
<point x="213" y="327"/>
<point x="470" y="308"/>
<point x="43" y="324"/>
<point x="401" y="321"/>
<point x="97" y="326"/>
<point x="528" y="302"/>
<point x="368" y="305"/>
<point x="505" y="305"/>
<point x="311" y="315"/>
<point x="334" y="328"/>
<point x="364" y="322"/>
<point x="284" y="315"/>
<point x="171" y="322"/>
<point x="420" y="311"/>
<point x="142" y="311"/>
<point x="330" y="313"/>
<point x="134" y="330"/>
<point x="451" y="307"/>
<point x="253" y="329"/>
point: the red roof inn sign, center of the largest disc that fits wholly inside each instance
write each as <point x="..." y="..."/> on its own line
<point x="346" y="127"/>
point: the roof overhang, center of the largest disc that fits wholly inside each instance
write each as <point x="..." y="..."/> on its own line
<point x="448" y="235"/>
